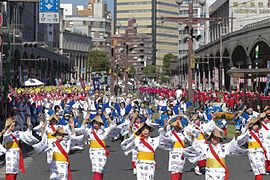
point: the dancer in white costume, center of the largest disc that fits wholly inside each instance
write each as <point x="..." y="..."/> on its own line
<point x="60" y="164"/>
<point x="215" y="154"/>
<point x="11" y="138"/>
<point x="50" y="128"/>
<point x="257" y="153"/>
<point x="96" y="137"/>
<point x="146" y="147"/>
<point x="176" y="155"/>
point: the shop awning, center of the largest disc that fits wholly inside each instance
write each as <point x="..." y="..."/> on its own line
<point x="249" y="73"/>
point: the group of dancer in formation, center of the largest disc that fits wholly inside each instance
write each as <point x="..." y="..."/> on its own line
<point x="195" y="137"/>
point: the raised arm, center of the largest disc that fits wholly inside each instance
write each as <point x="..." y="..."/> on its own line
<point x="233" y="148"/>
<point x="196" y="152"/>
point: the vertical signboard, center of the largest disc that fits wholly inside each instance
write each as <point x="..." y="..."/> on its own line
<point x="49" y="11"/>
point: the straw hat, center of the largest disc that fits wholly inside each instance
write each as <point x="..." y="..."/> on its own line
<point x="135" y="115"/>
<point x="60" y="130"/>
<point x="97" y="119"/>
<point x="216" y="133"/>
<point x="53" y="117"/>
<point x="144" y="124"/>
<point x="253" y="121"/>
<point x="176" y="122"/>
<point x="194" y="117"/>
<point x="9" y="121"/>
<point x="96" y="93"/>
<point x="267" y="108"/>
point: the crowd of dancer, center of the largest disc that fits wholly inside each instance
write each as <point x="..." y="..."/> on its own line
<point x="57" y="120"/>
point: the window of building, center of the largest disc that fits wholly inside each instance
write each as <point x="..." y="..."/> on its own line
<point x="260" y="4"/>
<point x="168" y="4"/>
<point x="182" y="32"/>
<point x="167" y="35"/>
<point x="134" y="11"/>
<point x="168" y="27"/>
<point x="235" y="4"/>
<point x="167" y="12"/>
<point x="183" y="51"/>
<point x="252" y="4"/>
<point x="167" y="43"/>
<point x="134" y="3"/>
<point x="137" y="18"/>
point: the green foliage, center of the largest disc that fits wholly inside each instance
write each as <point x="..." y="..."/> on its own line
<point x="165" y="79"/>
<point x="167" y="62"/>
<point x="98" y="60"/>
<point x="150" y="71"/>
<point x="131" y="72"/>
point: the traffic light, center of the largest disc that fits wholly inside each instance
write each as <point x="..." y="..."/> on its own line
<point x="29" y="44"/>
<point x="196" y="37"/>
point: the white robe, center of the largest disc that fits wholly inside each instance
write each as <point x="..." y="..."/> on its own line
<point x="48" y="130"/>
<point x="13" y="154"/>
<point x="176" y="155"/>
<point x="2" y="150"/>
<point x="266" y="141"/>
<point x="58" y="169"/>
<point x="145" y="168"/>
<point x="202" y="151"/>
<point x="98" y="156"/>
<point x="255" y="155"/>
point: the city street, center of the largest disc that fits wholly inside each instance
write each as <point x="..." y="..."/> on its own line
<point x="198" y="67"/>
<point x="119" y="167"/>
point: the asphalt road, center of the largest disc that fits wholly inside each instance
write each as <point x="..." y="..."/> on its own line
<point x="119" y="167"/>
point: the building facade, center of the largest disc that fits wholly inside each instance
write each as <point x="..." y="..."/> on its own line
<point x="31" y="55"/>
<point x="148" y="15"/>
<point x="92" y="20"/>
<point x="237" y="14"/>
<point x="140" y="48"/>
<point x="77" y="47"/>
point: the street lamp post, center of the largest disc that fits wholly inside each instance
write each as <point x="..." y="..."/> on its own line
<point x="221" y="64"/>
<point x="190" y="52"/>
<point x="189" y="21"/>
<point x="127" y="48"/>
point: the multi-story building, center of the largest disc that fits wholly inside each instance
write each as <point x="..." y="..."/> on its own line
<point x="140" y="48"/>
<point x="237" y="14"/>
<point x="31" y="56"/>
<point x="148" y="14"/>
<point x="77" y="47"/>
<point x="92" y="20"/>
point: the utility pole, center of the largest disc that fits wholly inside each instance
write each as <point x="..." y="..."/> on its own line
<point x="130" y="41"/>
<point x="7" y="69"/>
<point x="112" y="70"/>
<point x="221" y="64"/>
<point x="126" y="68"/>
<point x="190" y="51"/>
<point x="190" y="21"/>
<point x="1" y="44"/>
